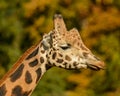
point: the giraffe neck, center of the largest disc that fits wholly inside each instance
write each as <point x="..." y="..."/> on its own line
<point x="22" y="79"/>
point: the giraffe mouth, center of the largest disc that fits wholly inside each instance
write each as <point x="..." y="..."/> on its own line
<point x="93" y="67"/>
<point x="97" y="66"/>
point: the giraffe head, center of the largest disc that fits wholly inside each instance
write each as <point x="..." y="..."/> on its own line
<point x="65" y="49"/>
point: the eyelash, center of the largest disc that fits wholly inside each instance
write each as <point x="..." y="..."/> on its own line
<point x="65" y="47"/>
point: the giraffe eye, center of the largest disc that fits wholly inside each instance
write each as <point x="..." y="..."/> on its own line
<point x="65" y="46"/>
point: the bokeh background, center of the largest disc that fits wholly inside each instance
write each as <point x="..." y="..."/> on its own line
<point x="23" y="23"/>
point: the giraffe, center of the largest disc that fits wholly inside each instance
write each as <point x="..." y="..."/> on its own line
<point x="60" y="47"/>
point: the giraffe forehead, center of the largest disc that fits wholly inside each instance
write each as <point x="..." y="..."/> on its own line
<point x="74" y="39"/>
<point x="58" y="39"/>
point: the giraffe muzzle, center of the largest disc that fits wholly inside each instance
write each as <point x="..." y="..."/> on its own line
<point x="96" y="65"/>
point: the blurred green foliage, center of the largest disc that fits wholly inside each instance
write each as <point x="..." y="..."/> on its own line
<point x="23" y="23"/>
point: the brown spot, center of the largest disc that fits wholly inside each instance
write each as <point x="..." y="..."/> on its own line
<point x="17" y="91"/>
<point x="75" y="63"/>
<point x="54" y="55"/>
<point x="47" y="66"/>
<point x="85" y="54"/>
<point x="50" y="53"/>
<point x="34" y="53"/>
<point x="83" y="48"/>
<point x="70" y="66"/>
<point x="3" y="90"/>
<point x="53" y="64"/>
<point x="79" y="38"/>
<point x="17" y="74"/>
<point x="38" y="72"/>
<point x="54" y="49"/>
<point x="65" y="63"/>
<point x="47" y="56"/>
<point x="59" y="39"/>
<point x="41" y="60"/>
<point x="60" y="55"/>
<point x="78" y="44"/>
<point x="67" y="58"/>
<point x="27" y="93"/>
<point x="33" y="63"/>
<point x="59" y="60"/>
<point x="60" y="66"/>
<point x="42" y="51"/>
<point x="53" y="36"/>
<point x="28" y="77"/>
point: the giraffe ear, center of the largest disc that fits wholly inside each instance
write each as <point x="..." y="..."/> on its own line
<point x="47" y="41"/>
